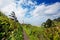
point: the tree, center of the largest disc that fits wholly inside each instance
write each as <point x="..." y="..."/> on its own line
<point x="13" y="16"/>
<point x="57" y="19"/>
<point x="48" y="23"/>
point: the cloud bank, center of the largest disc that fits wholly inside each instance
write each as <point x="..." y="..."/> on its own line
<point x="29" y="11"/>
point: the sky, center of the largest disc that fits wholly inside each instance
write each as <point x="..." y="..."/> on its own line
<point x="33" y="12"/>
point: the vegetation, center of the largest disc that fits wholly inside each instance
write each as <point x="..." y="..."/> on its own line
<point x="11" y="29"/>
<point x="49" y="32"/>
<point x="33" y="32"/>
<point x="48" y="23"/>
<point x="57" y="19"/>
<point x="13" y="16"/>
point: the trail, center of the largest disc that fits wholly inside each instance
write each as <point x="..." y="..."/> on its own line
<point x="25" y="35"/>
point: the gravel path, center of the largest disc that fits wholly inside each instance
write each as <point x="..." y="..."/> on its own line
<point x="25" y="35"/>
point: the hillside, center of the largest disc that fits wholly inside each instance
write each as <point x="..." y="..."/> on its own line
<point x="9" y="29"/>
<point x="42" y="32"/>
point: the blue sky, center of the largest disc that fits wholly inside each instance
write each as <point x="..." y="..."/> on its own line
<point x="46" y="1"/>
<point x="33" y="12"/>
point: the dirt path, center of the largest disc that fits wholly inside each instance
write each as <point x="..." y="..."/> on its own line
<point x="25" y="35"/>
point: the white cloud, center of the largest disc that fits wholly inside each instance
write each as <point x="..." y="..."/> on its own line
<point x="40" y="14"/>
<point x="43" y="9"/>
<point x="7" y="9"/>
<point x="43" y="12"/>
<point x="4" y="3"/>
<point x="20" y="12"/>
<point x="52" y="8"/>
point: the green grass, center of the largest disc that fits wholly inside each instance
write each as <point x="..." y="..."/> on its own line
<point x="9" y="29"/>
<point x="41" y="33"/>
<point x="33" y="32"/>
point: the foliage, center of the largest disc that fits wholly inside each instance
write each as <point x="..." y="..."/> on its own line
<point x="9" y="29"/>
<point x="13" y="16"/>
<point x="51" y="32"/>
<point x="57" y="19"/>
<point x="33" y="32"/>
<point x="49" y="23"/>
